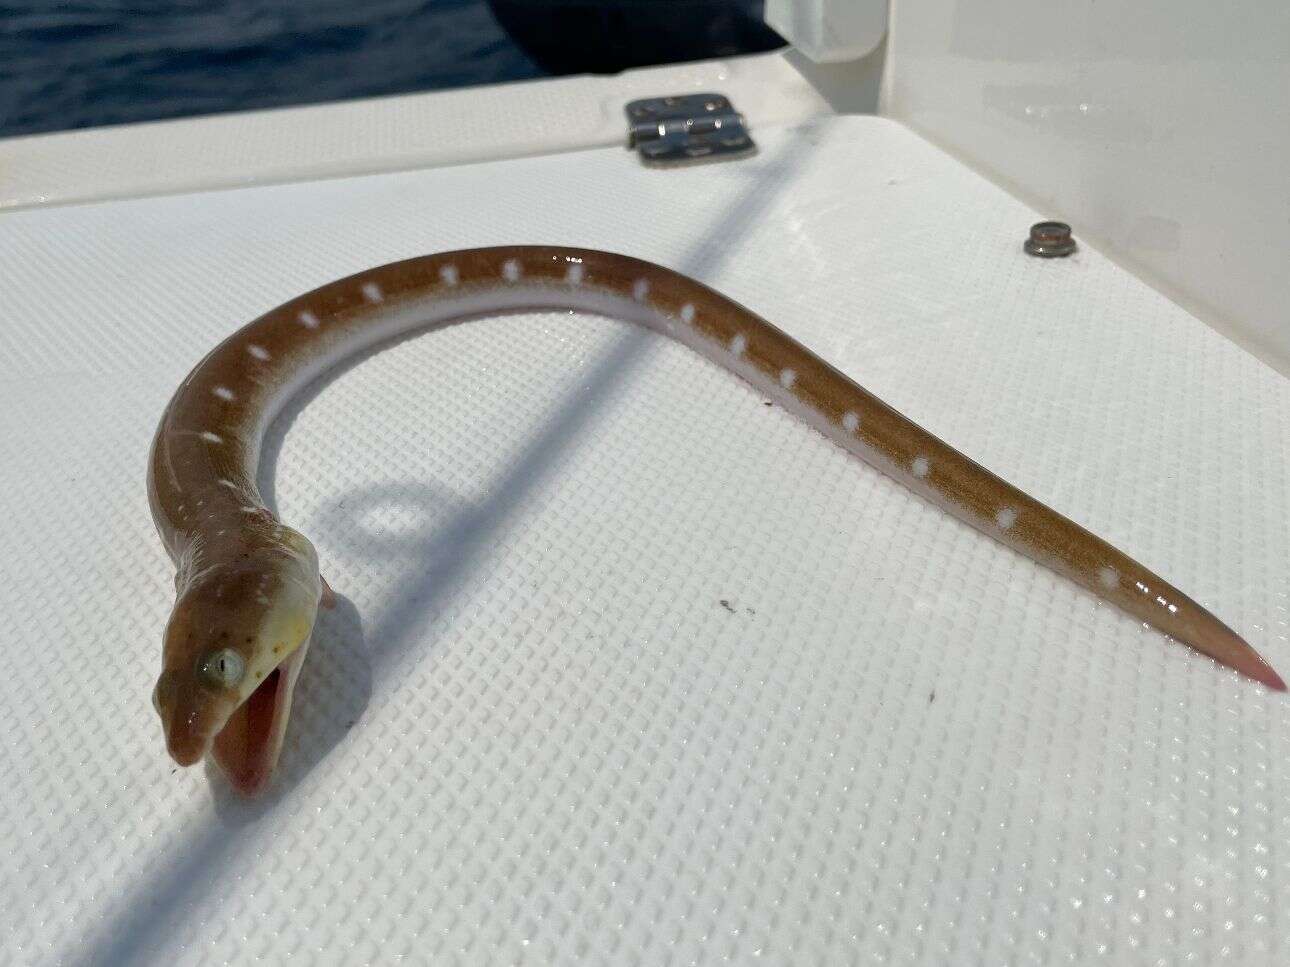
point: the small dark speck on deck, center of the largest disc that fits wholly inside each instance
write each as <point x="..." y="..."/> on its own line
<point x="767" y="403"/>
<point x="726" y="604"/>
<point x="750" y="610"/>
<point x="931" y="698"/>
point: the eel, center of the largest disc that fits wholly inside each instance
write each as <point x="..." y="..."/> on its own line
<point x="248" y="587"/>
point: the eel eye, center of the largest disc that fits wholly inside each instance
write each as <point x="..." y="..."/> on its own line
<point x="223" y="668"/>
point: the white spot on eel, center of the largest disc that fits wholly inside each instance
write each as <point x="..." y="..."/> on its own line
<point x="640" y="289"/>
<point x="1006" y="517"/>
<point x="921" y="466"/>
<point x="308" y="320"/>
<point x="738" y="343"/>
<point x="372" y="292"/>
<point x="574" y="273"/>
<point x="511" y="270"/>
<point x="259" y="352"/>
<point x="1108" y="577"/>
<point x="850" y="422"/>
<point x="227" y="483"/>
<point x="210" y="437"/>
<point x="449" y="275"/>
<point x="224" y="393"/>
<point x="787" y="378"/>
<point x="687" y="313"/>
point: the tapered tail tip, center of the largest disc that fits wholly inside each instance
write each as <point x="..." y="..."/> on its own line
<point x="1211" y="637"/>
<point x="1252" y="665"/>
<point x="1271" y="678"/>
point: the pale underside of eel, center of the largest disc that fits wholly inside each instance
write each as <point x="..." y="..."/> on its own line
<point x="248" y="586"/>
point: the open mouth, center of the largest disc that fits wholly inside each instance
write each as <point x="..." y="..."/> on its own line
<point x="246" y="749"/>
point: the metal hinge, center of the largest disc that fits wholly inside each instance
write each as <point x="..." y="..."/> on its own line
<point x="687" y="129"/>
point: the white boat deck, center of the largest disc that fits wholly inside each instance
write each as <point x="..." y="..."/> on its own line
<point x="632" y="668"/>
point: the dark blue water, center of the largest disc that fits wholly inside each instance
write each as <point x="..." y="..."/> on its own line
<point x="68" y="65"/>
<point x="96" y="62"/>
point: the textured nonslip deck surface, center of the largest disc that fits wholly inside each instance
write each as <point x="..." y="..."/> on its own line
<point x="632" y="668"/>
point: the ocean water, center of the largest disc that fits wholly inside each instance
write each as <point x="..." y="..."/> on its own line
<point x="95" y="62"/>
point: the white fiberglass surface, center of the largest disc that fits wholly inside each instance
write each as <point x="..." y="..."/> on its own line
<point x="630" y="666"/>
<point x="1160" y="132"/>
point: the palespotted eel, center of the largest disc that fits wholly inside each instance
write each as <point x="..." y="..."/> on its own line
<point x="248" y="587"/>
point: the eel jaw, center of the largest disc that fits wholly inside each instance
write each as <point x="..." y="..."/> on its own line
<point x="246" y="749"/>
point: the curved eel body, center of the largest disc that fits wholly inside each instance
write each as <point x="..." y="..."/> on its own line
<point x="248" y="586"/>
